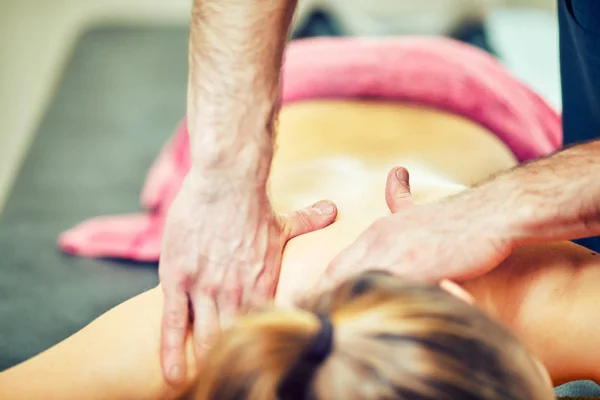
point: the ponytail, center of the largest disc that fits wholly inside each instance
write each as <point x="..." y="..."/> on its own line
<point x="296" y="382"/>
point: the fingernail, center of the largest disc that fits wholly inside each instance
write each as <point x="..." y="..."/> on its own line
<point x="402" y="175"/>
<point x="324" y="207"/>
<point x="175" y="373"/>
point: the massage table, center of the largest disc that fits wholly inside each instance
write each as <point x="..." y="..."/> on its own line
<point x="120" y="96"/>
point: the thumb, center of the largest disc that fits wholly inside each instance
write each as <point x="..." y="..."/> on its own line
<point x="397" y="190"/>
<point x="309" y="219"/>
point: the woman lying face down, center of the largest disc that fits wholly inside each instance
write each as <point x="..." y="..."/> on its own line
<point x="394" y="338"/>
<point x="374" y="337"/>
<point x="390" y="339"/>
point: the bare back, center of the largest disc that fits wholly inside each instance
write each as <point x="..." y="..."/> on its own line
<point x="342" y="151"/>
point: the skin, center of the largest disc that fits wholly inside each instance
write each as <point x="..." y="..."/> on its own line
<point x="221" y="250"/>
<point x="235" y="59"/>
<point x="550" y="199"/>
<point x="547" y="294"/>
<point x="532" y="289"/>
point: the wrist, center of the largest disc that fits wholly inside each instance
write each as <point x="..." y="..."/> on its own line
<point x="240" y="143"/>
<point x="248" y="161"/>
<point x="487" y="210"/>
<point x="522" y="214"/>
<point x="233" y="180"/>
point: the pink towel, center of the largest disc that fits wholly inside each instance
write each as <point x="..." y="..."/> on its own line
<point x="432" y="71"/>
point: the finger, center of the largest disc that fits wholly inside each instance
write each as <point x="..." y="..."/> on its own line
<point x="455" y="290"/>
<point x="343" y="265"/>
<point x="174" y="328"/>
<point x="206" y="322"/>
<point x="261" y="292"/>
<point x="397" y="190"/>
<point x="309" y="219"/>
<point x="325" y="284"/>
<point x="229" y="303"/>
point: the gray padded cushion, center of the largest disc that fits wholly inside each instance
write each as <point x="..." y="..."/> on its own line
<point x="121" y="96"/>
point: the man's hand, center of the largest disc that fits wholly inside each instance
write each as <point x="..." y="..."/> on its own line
<point x="455" y="238"/>
<point x="222" y="246"/>
<point x="221" y="254"/>
<point x="550" y="199"/>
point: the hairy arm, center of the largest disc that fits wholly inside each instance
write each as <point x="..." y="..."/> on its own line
<point x="553" y="198"/>
<point x="235" y="56"/>
<point x="222" y="241"/>
<point x="467" y="235"/>
<point x="114" y="357"/>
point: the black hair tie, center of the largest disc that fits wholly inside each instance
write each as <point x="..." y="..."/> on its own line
<point x="294" y="385"/>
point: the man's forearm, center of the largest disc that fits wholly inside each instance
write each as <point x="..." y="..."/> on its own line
<point x="235" y="56"/>
<point x="553" y="198"/>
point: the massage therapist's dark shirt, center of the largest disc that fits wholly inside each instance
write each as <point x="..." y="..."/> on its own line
<point x="579" y="22"/>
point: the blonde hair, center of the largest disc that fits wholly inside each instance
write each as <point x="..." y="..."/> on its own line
<point x="391" y="340"/>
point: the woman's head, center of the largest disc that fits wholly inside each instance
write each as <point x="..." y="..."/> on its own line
<point x="389" y="340"/>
